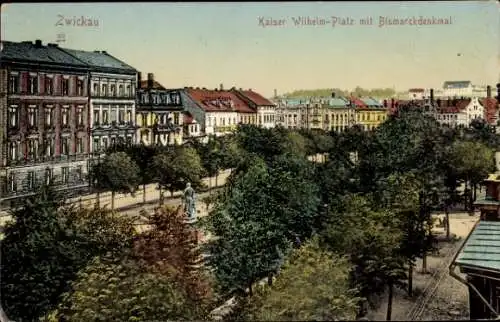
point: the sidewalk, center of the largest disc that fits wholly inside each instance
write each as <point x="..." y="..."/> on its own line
<point x="125" y="202"/>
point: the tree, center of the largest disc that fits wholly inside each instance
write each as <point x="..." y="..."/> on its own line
<point x="473" y="161"/>
<point x="300" y="294"/>
<point x="115" y="288"/>
<point x="118" y="173"/>
<point x="170" y="248"/>
<point x="46" y="245"/>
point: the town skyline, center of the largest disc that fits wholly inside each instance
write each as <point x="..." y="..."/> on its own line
<point x="194" y="47"/>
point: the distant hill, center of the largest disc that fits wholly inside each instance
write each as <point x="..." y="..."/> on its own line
<point x="358" y="91"/>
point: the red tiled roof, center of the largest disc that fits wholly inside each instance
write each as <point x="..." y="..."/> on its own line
<point x="256" y="98"/>
<point x="452" y="106"/>
<point x="358" y="103"/>
<point x="156" y="85"/>
<point x="188" y="118"/>
<point x="490" y="105"/>
<point x="222" y="101"/>
<point x="416" y="90"/>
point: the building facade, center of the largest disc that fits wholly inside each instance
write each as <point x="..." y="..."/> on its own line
<point x="112" y="99"/>
<point x="457" y="89"/>
<point x="265" y="109"/>
<point x="46" y="129"/>
<point x="369" y="113"/>
<point x="459" y="112"/>
<point x="159" y="113"/>
<point x="289" y="112"/>
<point x="338" y="114"/>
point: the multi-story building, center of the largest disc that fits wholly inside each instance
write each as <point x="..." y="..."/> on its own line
<point x="112" y="99"/>
<point x="191" y="128"/>
<point x="265" y="109"/>
<point x="369" y="112"/>
<point x="491" y="107"/>
<point x="46" y="124"/>
<point x="159" y="113"/>
<point x="416" y="93"/>
<point x="289" y="112"/>
<point x="457" y="89"/>
<point x="458" y="112"/>
<point x="217" y="111"/>
<point x="338" y="114"/>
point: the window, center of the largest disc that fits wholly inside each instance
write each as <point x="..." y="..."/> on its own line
<point x="33" y="84"/>
<point x="64" y="146"/>
<point x="120" y="90"/>
<point x="96" y="145"/>
<point x="144" y="119"/>
<point x="12" y="183"/>
<point x="104" y="91"/>
<point x="95" y="90"/>
<point x="79" y="172"/>
<point x="96" y="117"/>
<point x="105" y="143"/>
<point x="128" y="92"/>
<point x="64" y="116"/>
<point x="13" y="117"/>
<point x="49" y="147"/>
<point x="112" y="89"/>
<point x="48" y="176"/>
<point x="65" y="174"/>
<point x="79" y="87"/>
<point x="65" y="86"/>
<point x="31" y="179"/>
<point x="176" y="118"/>
<point x="105" y="119"/>
<point x="32" y="117"/>
<point x="79" y="145"/>
<point x="48" y="117"/>
<point x="79" y="116"/>
<point x="32" y="149"/>
<point x="113" y="141"/>
<point x="13" y="151"/>
<point x="121" y="116"/>
<point x="129" y="117"/>
<point x="113" y="115"/>
<point x="129" y="141"/>
<point x="14" y="83"/>
<point x="49" y="85"/>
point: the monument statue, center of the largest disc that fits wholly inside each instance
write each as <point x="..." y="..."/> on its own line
<point x="190" y="202"/>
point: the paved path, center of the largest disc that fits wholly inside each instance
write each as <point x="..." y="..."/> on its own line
<point x="127" y="203"/>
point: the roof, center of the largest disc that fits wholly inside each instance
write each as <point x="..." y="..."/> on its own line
<point x="371" y="102"/>
<point x="218" y="101"/>
<point x="490" y="105"/>
<point x="100" y="60"/>
<point x="358" y="102"/>
<point x="256" y="98"/>
<point x="337" y="102"/>
<point x="29" y="52"/>
<point x="457" y="84"/>
<point x="452" y="105"/>
<point x="188" y="118"/>
<point x="144" y="85"/>
<point x="482" y="248"/>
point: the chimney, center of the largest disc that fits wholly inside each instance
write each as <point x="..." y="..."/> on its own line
<point x="275" y="93"/>
<point x="242" y="88"/>
<point x="333" y="94"/>
<point x="249" y="89"/>
<point x="221" y="87"/>
<point x="498" y="91"/>
<point x="385" y="103"/>
<point x="52" y="45"/>
<point x="151" y="80"/>
<point x="139" y="79"/>
<point x="488" y="91"/>
<point x="392" y="102"/>
<point x="432" y="95"/>
<point x="38" y="43"/>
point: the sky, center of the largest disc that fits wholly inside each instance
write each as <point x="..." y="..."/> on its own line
<point x="207" y="44"/>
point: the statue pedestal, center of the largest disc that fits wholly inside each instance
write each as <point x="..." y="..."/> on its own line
<point x="191" y="223"/>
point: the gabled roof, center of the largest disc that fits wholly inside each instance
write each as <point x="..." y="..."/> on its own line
<point x="100" y="60"/>
<point x="490" y="105"/>
<point x="452" y="105"/>
<point x="144" y="85"/>
<point x="482" y="249"/>
<point x="371" y="102"/>
<point x="456" y="84"/>
<point x="256" y="98"/>
<point x="218" y="101"/>
<point x="27" y="51"/>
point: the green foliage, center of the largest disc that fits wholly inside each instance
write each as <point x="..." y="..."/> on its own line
<point x="313" y="286"/>
<point x="117" y="172"/>
<point x="472" y="160"/>
<point x="45" y="247"/>
<point x="327" y="92"/>
<point x="117" y="289"/>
